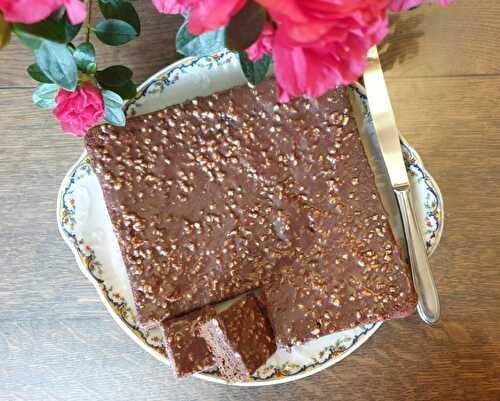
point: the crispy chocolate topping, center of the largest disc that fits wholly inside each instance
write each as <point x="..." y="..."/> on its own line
<point x="232" y="192"/>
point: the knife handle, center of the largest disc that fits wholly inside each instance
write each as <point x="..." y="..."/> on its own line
<point x="428" y="299"/>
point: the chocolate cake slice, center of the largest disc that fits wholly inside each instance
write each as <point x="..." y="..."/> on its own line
<point x="234" y="191"/>
<point x="240" y="338"/>
<point x="187" y="351"/>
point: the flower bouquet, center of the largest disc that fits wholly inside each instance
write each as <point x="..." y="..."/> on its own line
<point x="314" y="46"/>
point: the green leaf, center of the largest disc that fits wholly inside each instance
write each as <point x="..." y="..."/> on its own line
<point x="127" y="91"/>
<point x="114" y="32"/>
<point x="46" y="91"/>
<point x="245" y="27"/>
<point x="44" y="96"/>
<point x="58" y="64"/>
<point x="32" y="42"/>
<point x="37" y="74"/>
<point x="115" y="116"/>
<point x="121" y="10"/>
<point x="116" y="75"/>
<point x="85" y="58"/>
<point x="113" y="108"/>
<point x="91" y="68"/>
<point x="112" y="99"/>
<point x="117" y="78"/>
<point x="255" y="72"/>
<point x="188" y="44"/>
<point x="5" y="29"/>
<point x="55" y="28"/>
<point x="71" y="30"/>
<point x="60" y="12"/>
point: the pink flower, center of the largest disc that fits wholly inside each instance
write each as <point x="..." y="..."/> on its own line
<point x="32" y="11"/>
<point x="313" y="70"/>
<point x="28" y="11"/>
<point x="205" y="15"/>
<point x="263" y="45"/>
<point x="171" y="6"/>
<point x="76" y="11"/>
<point x="79" y="110"/>
<point x="399" y="5"/>
<point x="320" y="44"/>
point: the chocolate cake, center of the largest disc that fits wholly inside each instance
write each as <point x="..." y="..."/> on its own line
<point x="232" y="192"/>
<point x="187" y="351"/>
<point x="240" y="338"/>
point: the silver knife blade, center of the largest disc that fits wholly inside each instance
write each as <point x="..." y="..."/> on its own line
<point x="388" y="138"/>
<point x="384" y="121"/>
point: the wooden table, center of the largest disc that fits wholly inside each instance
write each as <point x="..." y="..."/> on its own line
<point x="57" y="342"/>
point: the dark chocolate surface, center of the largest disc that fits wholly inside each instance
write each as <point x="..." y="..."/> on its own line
<point x="232" y="192"/>
<point x="348" y="270"/>
<point x="186" y="349"/>
<point x="241" y="339"/>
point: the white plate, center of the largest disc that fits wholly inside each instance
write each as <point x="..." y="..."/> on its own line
<point x="86" y="227"/>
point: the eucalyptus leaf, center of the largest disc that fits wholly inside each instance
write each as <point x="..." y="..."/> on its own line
<point x="255" y="72"/>
<point x="188" y="44"/>
<point x="116" y="75"/>
<point x="115" y="116"/>
<point x="58" y="64"/>
<point x="245" y="27"/>
<point x="84" y="56"/>
<point x="114" y="32"/>
<point x="44" y="96"/>
<point x="37" y="74"/>
<point x="121" y="10"/>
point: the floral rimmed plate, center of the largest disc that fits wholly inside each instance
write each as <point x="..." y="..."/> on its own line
<point x="86" y="227"/>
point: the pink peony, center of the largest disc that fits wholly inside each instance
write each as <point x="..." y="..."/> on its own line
<point x="399" y="5"/>
<point x="263" y="45"/>
<point x="31" y="11"/>
<point x="79" y="110"/>
<point x="205" y="15"/>
<point x="319" y="45"/>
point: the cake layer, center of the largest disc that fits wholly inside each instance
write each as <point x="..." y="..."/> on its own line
<point x="187" y="351"/>
<point x="240" y="338"/>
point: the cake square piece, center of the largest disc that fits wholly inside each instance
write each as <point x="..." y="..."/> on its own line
<point x="234" y="191"/>
<point x="187" y="351"/>
<point x="240" y="338"/>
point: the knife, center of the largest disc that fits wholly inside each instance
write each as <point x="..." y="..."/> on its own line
<point x="388" y="137"/>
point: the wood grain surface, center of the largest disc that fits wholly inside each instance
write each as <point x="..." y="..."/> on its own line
<point x="57" y="342"/>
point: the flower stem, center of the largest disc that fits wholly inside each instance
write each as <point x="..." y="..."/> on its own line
<point x="89" y="20"/>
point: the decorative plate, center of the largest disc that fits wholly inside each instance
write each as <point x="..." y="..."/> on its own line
<point x="86" y="227"/>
